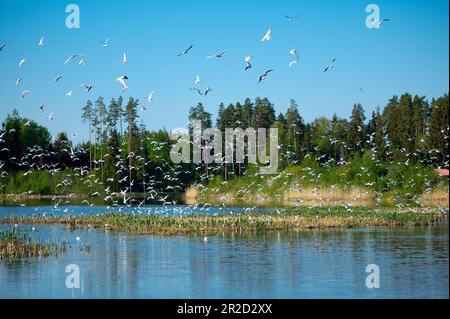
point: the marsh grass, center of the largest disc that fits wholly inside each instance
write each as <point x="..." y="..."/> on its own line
<point x="284" y="219"/>
<point x="14" y="244"/>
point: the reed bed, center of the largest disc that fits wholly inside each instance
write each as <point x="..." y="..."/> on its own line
<point x="14" y="244"/>
<point x="284" y="219"/>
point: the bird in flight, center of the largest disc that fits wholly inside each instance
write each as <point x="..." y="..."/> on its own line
<point x="208" y="89"/>
<point x="293" y="52"/>
<point x="290" y="18"/>
<point x="330" y="66"/>
<point x="70" y="93"/>
<point x="57" y="78"/>
<point x="104" y="43"/>
<point x="263" y="76"/>
<point x="378" y="23"/>
<point x="122" y="83"/>
<point x="41" y="42"/>
<point x="72" y="57"/>
<point x="18" y="80"/>
<point x="292" y="63"/>
<point x="25" y="93"/>
<point x="22" y="62"/>
<point x="247" y="60"/>
<point x="185" y="51"/>
<point x="247" y="66"/>
<point x="50" y="116"/>
<point x="124" y="59"/>
<point x="268" y="35"/>
<point x="2" y="47"/>
<point x="87" y="87"/>
<point x="150" y="97"/>
<point x="217" y="55"/>
<point x="197" y="79"/>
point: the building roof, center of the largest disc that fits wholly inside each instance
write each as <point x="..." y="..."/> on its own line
<point x="441" y="171"/>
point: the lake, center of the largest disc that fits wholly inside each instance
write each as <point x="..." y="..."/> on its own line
<point x="413" y="262"/>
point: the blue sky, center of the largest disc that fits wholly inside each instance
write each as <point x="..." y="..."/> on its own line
<point x="409" y="53"/>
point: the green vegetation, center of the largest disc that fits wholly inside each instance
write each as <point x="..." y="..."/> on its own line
<point x="392" y="154"/>
<point x="285" y="219"/>
<point x="14" y="244"/>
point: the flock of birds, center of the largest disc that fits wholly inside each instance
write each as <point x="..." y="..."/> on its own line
<point x="170" y="175"/>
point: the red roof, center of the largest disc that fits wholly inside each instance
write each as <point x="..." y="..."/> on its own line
<point x="441" y="171"/>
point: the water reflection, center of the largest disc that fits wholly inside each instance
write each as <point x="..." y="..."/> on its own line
<point x="303" y="264"/>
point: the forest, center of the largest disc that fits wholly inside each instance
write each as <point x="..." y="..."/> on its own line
<point x="408" y="136"/>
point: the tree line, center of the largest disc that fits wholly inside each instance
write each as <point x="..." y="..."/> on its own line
<point x="123" y="154"/>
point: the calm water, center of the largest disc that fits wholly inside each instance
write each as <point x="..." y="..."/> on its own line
<point x="413" y="263"/>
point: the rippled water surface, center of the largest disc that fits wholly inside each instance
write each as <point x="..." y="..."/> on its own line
<point x="413" y="263"/>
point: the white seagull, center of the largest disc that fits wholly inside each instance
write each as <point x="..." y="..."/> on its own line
<point x="50" y="116"/>
<point x="217" y="55"/>
<point x="18" y="80"/>
<point x="292" y="63"/>
<point x="150" y="97"/>
<point x="72" y="57"/>
<point x="124" y="59"/>
<point x="26" y="92"/>
<point x="41" y="41"/>
<point x="197" y="79"/>
<point x="2" y="47"/>
<point x="268" y="35"/>
<point x="122" y="83"/>
<point x="22" y="62"/>
<point x="57" y="78"/>
<point x="70" y="93"/>
<point x="104" y="43"/>
<point x="293" y="52"/>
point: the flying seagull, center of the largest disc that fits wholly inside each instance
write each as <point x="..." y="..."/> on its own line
<point x="293" y="52"/>
<point x="290" y="18"/>
<point x="26" y="92"/>
<point x="197" y="79"/>
<point x="18" y="80"/>
<point x="22" y="62"/>
<point x="72" y="57"/>
<point x="82" y="62"/>
<point x="378" y="23"/>
<point x="2" y="47"/>
<point x="247" y="66"/>
<point x="268" y="35"/>
<point x="330" y="66"/>
<point x="70" y="93"/>
<point x="124" y="59"/>
<point x="185" y="51"/>
<point x="150" y="97"/>
<point x="50" y="116"/>
<point x="57" y="78"/>
<point x="41" y="42"/>
<point x="41" y="107"/>
<point x="122" y="83"/>
<point x="104" y="43"/>
<point x="263" y="77"/>
<point x="87" y="87"/>
<point x="292" y="63"/>
<point x="208" y="89"/>
<point x="217" y="55"/>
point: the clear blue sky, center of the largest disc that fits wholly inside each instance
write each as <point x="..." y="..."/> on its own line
<point x="409" y="53"/>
